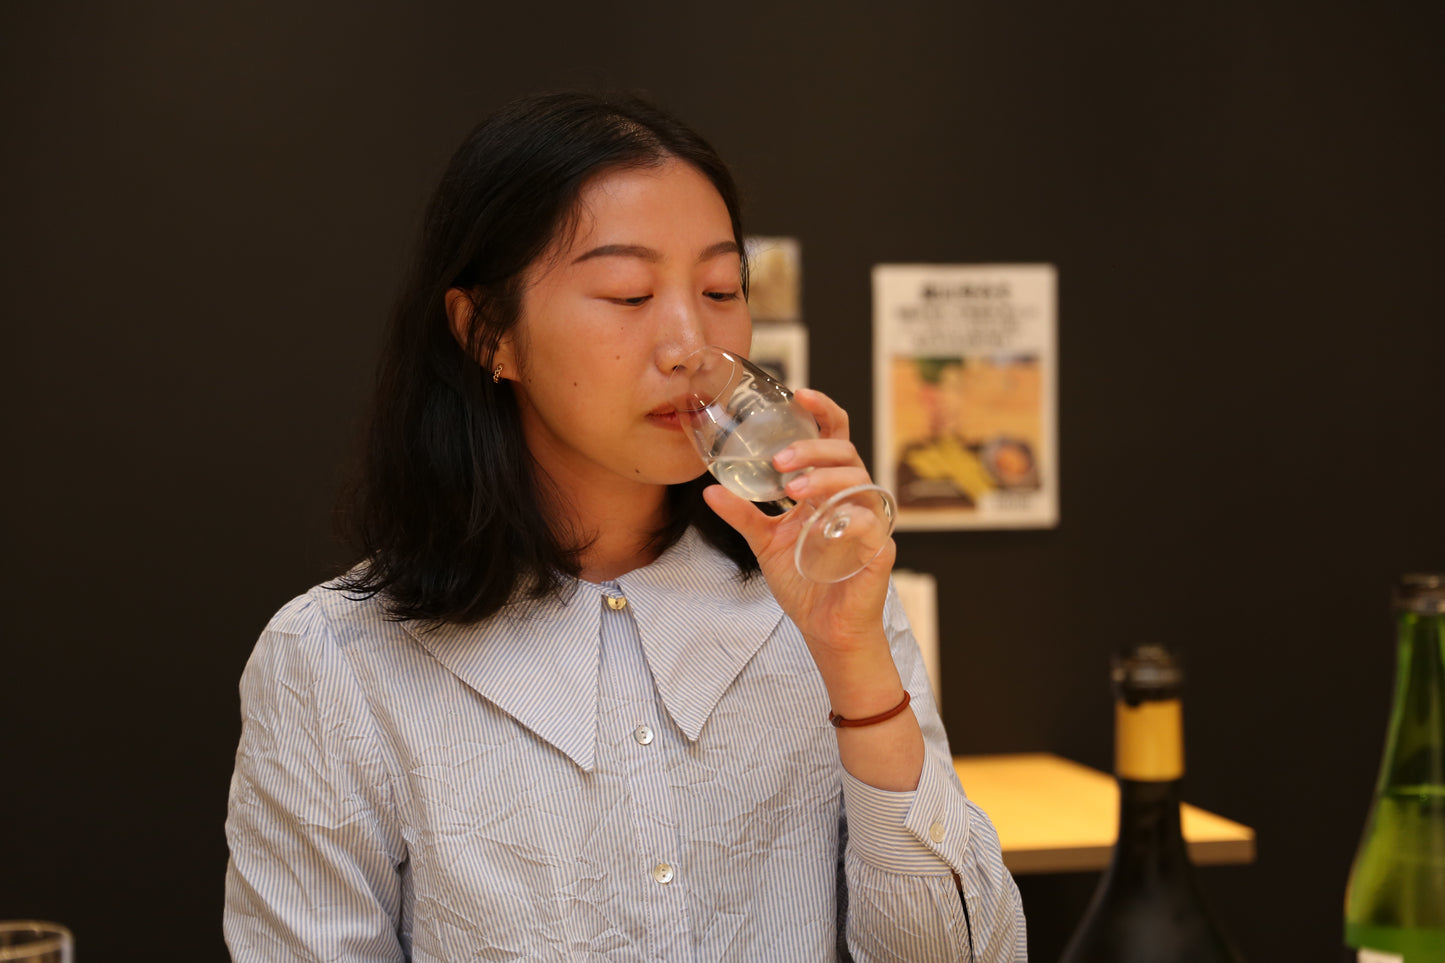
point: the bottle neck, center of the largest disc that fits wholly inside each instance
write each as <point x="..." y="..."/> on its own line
<point x="1149" y="764"/>
<point x="1149" y="741"/>
<point x="1150" y="841"/>
<point x="1415" y="744"/>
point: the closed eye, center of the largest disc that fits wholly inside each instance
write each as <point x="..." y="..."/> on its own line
<point x="721" y="295"/>
<point x="634" y="301"/>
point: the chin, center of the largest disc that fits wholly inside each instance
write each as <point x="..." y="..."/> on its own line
<point x="661" y="475"/>
<point x="669" y="465"/>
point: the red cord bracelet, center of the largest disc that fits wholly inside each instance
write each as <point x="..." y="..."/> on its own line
<point x="840" y="723"/>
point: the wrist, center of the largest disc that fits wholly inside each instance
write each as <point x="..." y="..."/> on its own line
<point x="862" y="688"/>
<point x="840" y="722"/>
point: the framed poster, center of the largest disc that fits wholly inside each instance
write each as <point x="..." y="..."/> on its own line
<point x="965" y="410"/>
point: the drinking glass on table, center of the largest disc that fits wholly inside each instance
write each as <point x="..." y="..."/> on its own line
<point x="34" y="941"/>
<point x="738" y="418"/>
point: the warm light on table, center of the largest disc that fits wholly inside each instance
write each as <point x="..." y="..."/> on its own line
<point x="1054" y="815"/>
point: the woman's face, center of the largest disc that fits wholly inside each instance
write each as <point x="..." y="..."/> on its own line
<point x="651" y="273"/>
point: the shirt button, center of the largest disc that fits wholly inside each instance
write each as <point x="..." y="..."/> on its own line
<point x="616" y="602"/>
<point x="643" y="735"/>
<point x="936" y="832"/>
<point x="662" y="873"/>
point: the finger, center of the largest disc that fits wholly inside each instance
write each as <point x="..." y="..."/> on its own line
<point x="832" y="419"/>
<point x="820" y="453"/>
<point x="820" y="484"/>
<point x="738" y="512"/>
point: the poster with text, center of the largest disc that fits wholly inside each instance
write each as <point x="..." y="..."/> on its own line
<point x="964" y="368"/>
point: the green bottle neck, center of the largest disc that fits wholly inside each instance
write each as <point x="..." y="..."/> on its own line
<point x="1415" y="744"/>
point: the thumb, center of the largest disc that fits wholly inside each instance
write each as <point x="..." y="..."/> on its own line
<point x="738" y="512"/>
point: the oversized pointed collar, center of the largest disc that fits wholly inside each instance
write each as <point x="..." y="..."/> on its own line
<point x="539" y="661"/>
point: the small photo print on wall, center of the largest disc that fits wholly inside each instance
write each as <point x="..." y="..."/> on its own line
<point x="775" y="278"/>
<point x="781" y="349"/>
<point x="775" y="295"/>
<point x="965" y="376"/>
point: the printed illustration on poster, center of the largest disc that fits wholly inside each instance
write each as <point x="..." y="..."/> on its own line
<point x="964" y="365"/>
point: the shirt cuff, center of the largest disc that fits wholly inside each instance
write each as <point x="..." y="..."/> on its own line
<point x="881" y="833"/>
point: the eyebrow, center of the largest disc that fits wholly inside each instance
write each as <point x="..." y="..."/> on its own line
<point x="648" y="254"/>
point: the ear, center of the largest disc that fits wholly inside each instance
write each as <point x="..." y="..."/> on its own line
<point x="460" y="309"/>
<point x="459" y="314"/>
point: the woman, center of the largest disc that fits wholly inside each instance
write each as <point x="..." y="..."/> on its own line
<point x="556" y="714"/>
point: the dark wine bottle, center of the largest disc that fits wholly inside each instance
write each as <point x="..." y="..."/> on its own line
<point x="1148" y="907"/>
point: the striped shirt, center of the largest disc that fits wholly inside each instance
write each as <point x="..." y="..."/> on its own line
<point x="642" y="770"/>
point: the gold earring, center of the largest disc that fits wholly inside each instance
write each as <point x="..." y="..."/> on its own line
<point x="496" y="374"/>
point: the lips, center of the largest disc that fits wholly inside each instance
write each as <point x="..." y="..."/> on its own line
<point x="664" y="415"/>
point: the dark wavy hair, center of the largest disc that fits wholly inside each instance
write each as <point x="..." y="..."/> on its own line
<point x="448" y="509"/>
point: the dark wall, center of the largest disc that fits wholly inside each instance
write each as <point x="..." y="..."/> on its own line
<point x="205" y="214"/>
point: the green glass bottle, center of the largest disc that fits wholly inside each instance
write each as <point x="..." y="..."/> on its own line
<point x="1395" y="899"/>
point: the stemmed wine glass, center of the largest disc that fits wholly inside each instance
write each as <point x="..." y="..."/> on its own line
<point x="738" y="418"/>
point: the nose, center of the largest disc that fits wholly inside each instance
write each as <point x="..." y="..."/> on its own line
<point x="684" y="336"/>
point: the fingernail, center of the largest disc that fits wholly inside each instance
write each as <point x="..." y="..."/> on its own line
<point x="784" y="458"/>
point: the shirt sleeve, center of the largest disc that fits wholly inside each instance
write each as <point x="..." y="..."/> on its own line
<point x="924" y="870"/>
<point x="315" y="851"/>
